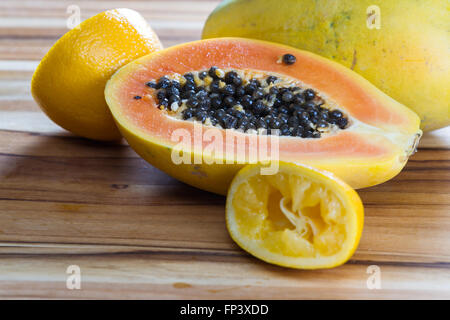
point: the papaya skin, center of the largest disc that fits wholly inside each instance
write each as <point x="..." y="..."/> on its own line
<point x="147" y="129"/>
<point x="407" y="58"/>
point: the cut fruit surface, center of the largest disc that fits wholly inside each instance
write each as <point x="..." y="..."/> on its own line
<point x="160" y="100"/>
<point x="300" y="217"/>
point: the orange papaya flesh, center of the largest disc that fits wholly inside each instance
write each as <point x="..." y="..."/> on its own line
<point x="372" y="149"/>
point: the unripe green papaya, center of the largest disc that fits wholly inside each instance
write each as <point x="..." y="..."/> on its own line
<point x="401" y="46"/>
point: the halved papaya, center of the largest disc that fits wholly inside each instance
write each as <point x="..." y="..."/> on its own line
<point x="297" y="107"/>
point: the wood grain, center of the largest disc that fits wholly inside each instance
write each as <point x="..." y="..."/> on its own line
<point x="137" y="233"/>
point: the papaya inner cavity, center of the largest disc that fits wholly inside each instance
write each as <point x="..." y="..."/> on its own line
<point x="248" y="100"/>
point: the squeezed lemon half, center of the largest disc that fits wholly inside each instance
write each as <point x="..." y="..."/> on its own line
<point x="301" y="217"/>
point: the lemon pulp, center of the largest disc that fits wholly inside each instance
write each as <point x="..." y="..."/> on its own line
<point x="303" y="223"/>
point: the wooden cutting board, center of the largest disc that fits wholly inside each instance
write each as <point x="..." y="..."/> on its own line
<point x="134" y="232"/>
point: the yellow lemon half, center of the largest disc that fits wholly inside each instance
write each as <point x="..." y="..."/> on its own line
<point x="300" y="217"/>
<point x="69" y="82"/>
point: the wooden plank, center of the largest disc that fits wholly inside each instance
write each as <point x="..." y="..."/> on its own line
<point x="137" y="233"/>
<point x="205" y="276"/>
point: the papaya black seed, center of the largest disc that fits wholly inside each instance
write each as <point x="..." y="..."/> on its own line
<point x="284" y="130"/>
<point x="215" y="86"/>
<point x="255" y="82"/>
<point x="220" y="113"/>
<point x="258" y="94"/>
<point x="137" y="97"/>
<point x="192" y="102"/>
<point x="283" y="118"/>
<point x="187" y="94"/>
<point x="271" y="79"/>
<point x="322" y="124"/>
<point x="316" y="134"/>
<point x="246" y="101"/>
<point x="267" y="109"/>
<point x="204" y="103"/>
<point x="229" y="101"/>
<point x="233" y="78"/>
<point x="250" y="88"/>
<point x="324" y="115"/>
<point x="294" y="131"/>
<point x="253" y="119"/>
<point x="188" y="86"/>
<point x="189" y="77"/>
<point x="289" y="59"/>
<point x="188" y="113"/>
<point x="239" y="92"/>
<point x="304" y="116"/>
<point x="161" y="94"/>
<point x="332" y="121"/>
<point x="342" y="123"/>
<point x="239" y="114"/>
<point x="299" y="99"/>
<point x="176" y="84"/>
<point x="164" y="102"/>
<point x="275" y="123"/>
<point x="307" y="134"/>
<point x="283" y="109"/>
<point x="173" y="98"/>
<point x="277" y="102"/>
<point x="163" y="83"/>
<point x="258" y="107"/>
<point x="292" y="107"/>
<point x="200" y="89"/>
<point x="273" y="112"/>
<point x="228" y="90"/>
<point x="201" y="116"/>
<point x="212" y="72"/>
<point x="222" y="120"/>
<point x="261" y="123"/>
<point x="230" y="122"/>
<point x="229" y="111"/>
<point x="309" y="94"/>
<point x="251" y="126"/>
<point x="282" y="90"/>
<point x="243" y="123"/>
<point x="336" y="114"/>
<point x="268" y="97"/>
<point x="309" y="105"/>
<point x="287" y="96"/>
<point x="229" y="76"/>
<point x="268" y="119"/>
<point x="273" y="90"/>
<point x="293" y="121"/>
<point x="216" y="102"/>
<point x="313" y="113"/>
<point x="172" y="91"/>
<point x="202" y="108"/>
<point x="201" y="94"/>
<point x="202" y="75"/>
